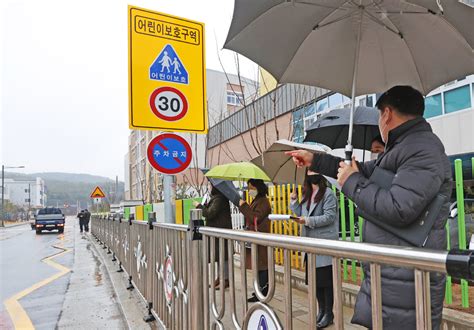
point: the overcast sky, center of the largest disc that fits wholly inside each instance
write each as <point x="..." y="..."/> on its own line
<point x="64" y="80"/>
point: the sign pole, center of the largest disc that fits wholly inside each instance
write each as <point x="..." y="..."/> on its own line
<point x="169" y="188"/>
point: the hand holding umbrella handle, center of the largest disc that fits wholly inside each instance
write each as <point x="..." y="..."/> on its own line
<point x="348" y="151"/>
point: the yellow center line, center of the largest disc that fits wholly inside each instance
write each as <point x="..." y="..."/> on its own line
<point x="18" y="315"/>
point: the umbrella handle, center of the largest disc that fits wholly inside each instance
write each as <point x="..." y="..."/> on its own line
<point x="348" y="151"/>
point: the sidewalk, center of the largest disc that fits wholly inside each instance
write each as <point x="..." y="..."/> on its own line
<point x="90" y="301"/>
<point x="10" y="224"/>
<point x="300" y="310"/>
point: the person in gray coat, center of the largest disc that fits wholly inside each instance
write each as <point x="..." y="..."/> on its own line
<point x="318" y="214"/>
<point x="422" y="171"/>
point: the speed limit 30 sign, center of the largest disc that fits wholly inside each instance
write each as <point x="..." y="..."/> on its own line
<point x="168" y="103"/>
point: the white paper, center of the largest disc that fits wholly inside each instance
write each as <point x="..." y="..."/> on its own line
<point x="205" y="199"/>
<point x="279" y="217"/>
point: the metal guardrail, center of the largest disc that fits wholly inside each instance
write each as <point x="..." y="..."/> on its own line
<point x="168" y="264"/>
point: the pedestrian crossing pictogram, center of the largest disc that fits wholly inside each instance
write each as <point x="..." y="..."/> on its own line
<point x="168" y="67"/>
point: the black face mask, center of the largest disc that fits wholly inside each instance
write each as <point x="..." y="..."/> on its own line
<point x="315" y="178"/>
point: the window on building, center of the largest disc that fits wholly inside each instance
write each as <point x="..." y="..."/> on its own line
<point x="322" y="104"/>
<point x="457" y="99"/>
<point x="335" y="100"/>
<point x="235" y="98"/>
<point x="308" y="122"/>
<point x="310" y="110"/>
<point x="346" y="99"/>
<point x="298" y="125"/>
<point x="433" y="106"/>
<point x="370" y="101"/>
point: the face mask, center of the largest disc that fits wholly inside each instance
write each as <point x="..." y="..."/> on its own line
<point x="253" y="193"/>
<point x="382" y="128"/>
<point x="373" y="156"/>
<point x="315" y="178"/>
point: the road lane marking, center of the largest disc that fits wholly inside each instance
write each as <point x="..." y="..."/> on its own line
<point x="18" y="315"/>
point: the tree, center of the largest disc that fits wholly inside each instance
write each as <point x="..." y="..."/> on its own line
<point x="259" y="131"/>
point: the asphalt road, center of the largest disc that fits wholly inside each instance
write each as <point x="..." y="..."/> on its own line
<point x="42" y="276"/>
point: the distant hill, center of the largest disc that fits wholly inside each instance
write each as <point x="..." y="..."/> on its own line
<point x="70" y="188"/>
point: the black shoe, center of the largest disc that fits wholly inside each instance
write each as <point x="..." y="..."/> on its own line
<point x="321" y="304"/>
<point x="328" y="317"/>
<point x="320" y="315"/>
<point x="327" y="320"/>
<point x="253" y="298"/>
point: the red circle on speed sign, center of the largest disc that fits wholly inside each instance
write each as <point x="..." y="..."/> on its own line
<point x="168" y="103"/>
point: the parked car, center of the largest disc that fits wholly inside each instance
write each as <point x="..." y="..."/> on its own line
<point x="49" y="218"/>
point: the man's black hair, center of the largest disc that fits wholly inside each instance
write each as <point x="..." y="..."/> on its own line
<point x="404" y="99"/>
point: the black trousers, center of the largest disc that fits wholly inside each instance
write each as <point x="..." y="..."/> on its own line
<point x="263" y="280"/>
<point x="84" y="225"/>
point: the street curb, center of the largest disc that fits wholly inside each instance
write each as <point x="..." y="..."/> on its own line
<point x="15" y="225"/>
<point x="130" y="309"/>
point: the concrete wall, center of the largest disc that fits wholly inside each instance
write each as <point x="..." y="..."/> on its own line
<point x="456" y="130"/>
<point x="241" y="148"/>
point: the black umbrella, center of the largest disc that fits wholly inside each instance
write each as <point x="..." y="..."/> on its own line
<point x="226" y="187"/>
<point x="332" y="128"/>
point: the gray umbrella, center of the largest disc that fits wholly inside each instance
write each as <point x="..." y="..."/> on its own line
<point x="356" y="47"/>
<point x="280" y="167"/>
<point x="332" y="128"/>
<point x="227" y="188"/>
<point x="322" y="42"/>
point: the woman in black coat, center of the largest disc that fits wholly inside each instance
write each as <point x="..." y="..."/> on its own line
<point x="217" y="214"/>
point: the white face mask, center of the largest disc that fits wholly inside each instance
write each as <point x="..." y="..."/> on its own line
<point x="382" y="128"/>
<point x="253" y="193"/>
<point x="373" y="156"/>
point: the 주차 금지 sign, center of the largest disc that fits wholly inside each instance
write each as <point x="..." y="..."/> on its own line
<point x="167" y="75"/>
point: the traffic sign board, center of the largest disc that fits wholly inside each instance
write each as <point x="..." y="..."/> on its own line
<point x="169" y="153"/>
<point x="97" y="193"/>
<point x="167" y="75"/>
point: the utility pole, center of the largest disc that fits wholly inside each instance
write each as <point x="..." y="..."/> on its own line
<point x="29" y="201"/>
<point x="116" y="190"/>
<point x="3" y="195"/>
